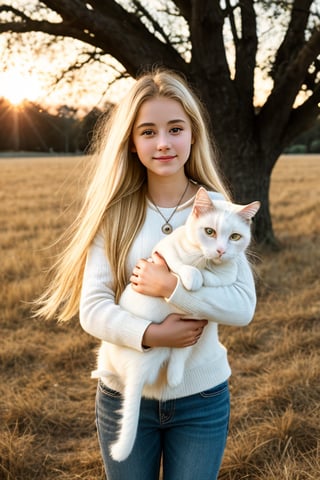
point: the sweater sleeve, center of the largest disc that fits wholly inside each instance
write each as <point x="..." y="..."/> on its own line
<point x="230" y="305"/>
<point x="100" y="316"/>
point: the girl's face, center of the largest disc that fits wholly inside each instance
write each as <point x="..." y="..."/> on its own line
<point x="162" y="136"/>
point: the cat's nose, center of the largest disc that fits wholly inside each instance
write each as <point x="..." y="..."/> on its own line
<point x="220" y="251"/>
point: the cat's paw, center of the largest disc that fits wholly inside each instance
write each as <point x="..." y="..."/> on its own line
<point x="191" y="277"/>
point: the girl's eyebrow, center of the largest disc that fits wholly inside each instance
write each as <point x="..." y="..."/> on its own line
<point x="151" y="124"/>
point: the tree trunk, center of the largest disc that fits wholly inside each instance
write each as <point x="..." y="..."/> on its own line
<point x="247" y="168"/>
<point x="250" y="181"/>
<point x="249" y="176"/>
<point x="245" y="162"/>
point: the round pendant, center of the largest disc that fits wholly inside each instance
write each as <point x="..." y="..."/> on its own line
<point x="166" y="228"/>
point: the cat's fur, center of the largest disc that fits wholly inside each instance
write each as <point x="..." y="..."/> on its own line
<point x="197" y="256"/>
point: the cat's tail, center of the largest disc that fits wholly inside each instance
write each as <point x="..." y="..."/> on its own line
<point x="122" y="447"/>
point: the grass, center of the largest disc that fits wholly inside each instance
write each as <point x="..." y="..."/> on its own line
<point x="47" y="428"/>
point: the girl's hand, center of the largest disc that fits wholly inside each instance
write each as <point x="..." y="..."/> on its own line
<point x="174" y="332"/>
<point x="153" y="277"/>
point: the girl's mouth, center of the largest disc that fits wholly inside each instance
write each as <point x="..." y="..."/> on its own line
<point x="165" y="158"/>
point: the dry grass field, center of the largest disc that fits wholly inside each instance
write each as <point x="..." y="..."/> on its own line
<point x="47" y="426"/>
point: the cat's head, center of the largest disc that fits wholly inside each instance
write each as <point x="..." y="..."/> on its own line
<point x="219" y="228"/>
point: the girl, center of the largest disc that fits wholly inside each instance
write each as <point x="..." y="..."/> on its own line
<point x="151" y="156"/>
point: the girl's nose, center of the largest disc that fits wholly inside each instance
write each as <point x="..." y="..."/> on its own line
<point x="163" y="142"/>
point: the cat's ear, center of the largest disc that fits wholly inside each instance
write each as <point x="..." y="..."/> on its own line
<point x="202" y="203"/>
<point x="247" y="212"/>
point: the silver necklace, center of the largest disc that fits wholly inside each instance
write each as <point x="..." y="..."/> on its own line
<point x="167" y="227"/>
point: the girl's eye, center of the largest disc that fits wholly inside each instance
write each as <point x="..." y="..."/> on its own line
<point x="175" y="130"/>
<point x="210" y="232"/>
<point x="235" y="237"/>
<point x="147" y="133"/>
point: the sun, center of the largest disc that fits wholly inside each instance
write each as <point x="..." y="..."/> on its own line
<point x="17" y="87"/>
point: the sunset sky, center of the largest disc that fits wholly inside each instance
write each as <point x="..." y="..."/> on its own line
<point x="32" y="77"/>
<point x="29" y="68"/>
<point x="30" y="74"/>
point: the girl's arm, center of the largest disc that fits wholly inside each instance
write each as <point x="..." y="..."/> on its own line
<point x="230" y="305"/>
<point x="99" y="315"/>
<point x="103" y="319"/>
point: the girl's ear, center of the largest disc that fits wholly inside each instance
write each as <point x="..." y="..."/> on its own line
<point x="133" y="148"/>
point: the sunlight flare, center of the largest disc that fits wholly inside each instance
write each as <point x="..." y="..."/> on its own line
<point x="17" y="87"/>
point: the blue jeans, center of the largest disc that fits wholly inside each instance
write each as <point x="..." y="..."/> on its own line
<point x="189" y="434"/>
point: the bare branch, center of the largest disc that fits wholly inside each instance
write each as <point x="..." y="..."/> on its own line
<point x="100" y="28"/>
<point x="229" y="11"/>
<point x="90" y="57"/>
<point x="207" y="30"/>
<point x="141" y="11"/>
<point x="302" y="116"/>
<point x="15" y="11"/>
<point x="293" y="39"/>
<point x="246" y="50"/>
<point x="286" y="89"/>
<point x="185" y="8"/>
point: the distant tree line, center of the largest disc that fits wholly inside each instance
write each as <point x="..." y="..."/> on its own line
<point x="306" y="142"/>
<point x="30" y="127"/>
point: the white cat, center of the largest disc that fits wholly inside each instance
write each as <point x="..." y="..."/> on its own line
<point x="201" y="252"/>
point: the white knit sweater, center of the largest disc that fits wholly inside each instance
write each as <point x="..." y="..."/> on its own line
<point x="102" y="318"/>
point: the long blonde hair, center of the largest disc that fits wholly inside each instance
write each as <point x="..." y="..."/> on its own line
<point x="115" y="199"/>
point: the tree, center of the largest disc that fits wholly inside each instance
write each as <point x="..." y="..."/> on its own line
<point x="250" y="138"/>
<point x="29" y="127"/>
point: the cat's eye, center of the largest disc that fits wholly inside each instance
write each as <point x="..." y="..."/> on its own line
<point x="235" y="237"/>
<point x="210" y="232"/>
